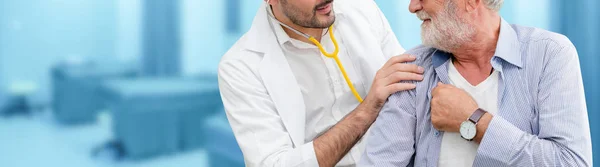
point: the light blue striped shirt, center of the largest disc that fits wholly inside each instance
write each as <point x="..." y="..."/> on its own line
<point x="541" y="121"/>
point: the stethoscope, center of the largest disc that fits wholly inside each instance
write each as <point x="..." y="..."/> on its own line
<point x="333" y="55"/>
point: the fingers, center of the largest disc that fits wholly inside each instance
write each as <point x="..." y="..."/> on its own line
<point x="400" y="67"/>
<point x="395" y="70"/>
<point x="437" y="89"/>
<point x="399" y="59"/>
<point x="440" y="87"/>
<point x="397" y="87"/>
<point x="402" y="76"/>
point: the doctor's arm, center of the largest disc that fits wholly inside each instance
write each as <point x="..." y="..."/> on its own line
<point x="262" y="136"/>
<point x="337" y="141"/>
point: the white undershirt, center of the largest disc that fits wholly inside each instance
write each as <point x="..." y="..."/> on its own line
<point x="456" y="151"/>
<point x="326" y="95"/>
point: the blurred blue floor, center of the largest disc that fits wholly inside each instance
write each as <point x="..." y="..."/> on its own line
<point x="37" y="140"/>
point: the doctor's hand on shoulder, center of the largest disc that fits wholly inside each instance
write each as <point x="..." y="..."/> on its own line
<point x="388" y="80"/>
<point x="333" y="144"/>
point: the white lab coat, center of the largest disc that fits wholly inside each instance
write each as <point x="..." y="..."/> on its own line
<point x="262" y="99"/>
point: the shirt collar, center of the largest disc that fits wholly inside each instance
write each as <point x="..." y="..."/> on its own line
<point x="282" y="37"/>
<point x="507" y="47"/>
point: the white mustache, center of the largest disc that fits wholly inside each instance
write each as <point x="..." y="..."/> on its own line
<point x="422" y="15"/>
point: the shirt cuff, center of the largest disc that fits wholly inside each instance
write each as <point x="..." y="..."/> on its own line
<point x="499" y="140"/>
<point x="309" y="157"/>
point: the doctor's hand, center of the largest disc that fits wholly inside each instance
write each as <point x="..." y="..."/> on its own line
<point x="450" y="106"/>
<point x="387" y="80"/>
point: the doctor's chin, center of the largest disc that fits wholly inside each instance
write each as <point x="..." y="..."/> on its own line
<point x="299" y="83"/>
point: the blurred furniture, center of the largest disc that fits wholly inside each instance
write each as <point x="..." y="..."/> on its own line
<point x="12" y="105"/>
<point x="155" y="116"/>
<point x="76" y="96"/>
<point x="3" y="103"/>
<point x="221" y="146"/>
<point x="16" y="99"/>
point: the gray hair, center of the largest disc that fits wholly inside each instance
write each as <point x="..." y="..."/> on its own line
<point x="494" y="5"/>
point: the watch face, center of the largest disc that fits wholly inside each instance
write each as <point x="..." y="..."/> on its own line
<point x="468" y="130"/>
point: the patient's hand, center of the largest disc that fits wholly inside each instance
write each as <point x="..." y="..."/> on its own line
<point x="450" y="106"/>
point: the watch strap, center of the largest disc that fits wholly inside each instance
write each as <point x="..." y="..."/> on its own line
<point x="477" y="115"/>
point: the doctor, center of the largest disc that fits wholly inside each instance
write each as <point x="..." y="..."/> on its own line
<point x="293" y="85"/>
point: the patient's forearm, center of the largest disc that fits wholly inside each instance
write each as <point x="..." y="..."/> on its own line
<point x="331" y="146"/>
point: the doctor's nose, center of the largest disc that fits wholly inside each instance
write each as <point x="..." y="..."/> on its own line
<point x="415" y="5"/>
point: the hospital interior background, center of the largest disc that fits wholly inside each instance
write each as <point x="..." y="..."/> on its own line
<point x="133" y="82"/>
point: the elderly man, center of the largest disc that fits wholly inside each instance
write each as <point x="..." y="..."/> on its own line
<point x="493" y="94"/>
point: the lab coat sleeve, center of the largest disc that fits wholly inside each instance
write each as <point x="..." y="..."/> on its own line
<point x="389" y="43"/>
<point x="256" y="124"/>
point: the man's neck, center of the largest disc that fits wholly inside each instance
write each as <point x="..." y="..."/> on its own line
<point x="315" y="32"/>
<point x="472" y="60"/>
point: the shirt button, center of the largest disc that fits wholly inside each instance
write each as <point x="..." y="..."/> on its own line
<point x="436" y="133"/>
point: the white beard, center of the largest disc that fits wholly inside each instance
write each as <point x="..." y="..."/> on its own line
<point x="447" y="32"/>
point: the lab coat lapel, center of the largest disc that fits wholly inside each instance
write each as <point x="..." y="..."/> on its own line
<point x="278" y="78"/>
<point x="365" y="54"/>
<point x="285" y="92"/>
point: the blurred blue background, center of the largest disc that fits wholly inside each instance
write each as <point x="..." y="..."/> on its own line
<point x="133" y="82"/>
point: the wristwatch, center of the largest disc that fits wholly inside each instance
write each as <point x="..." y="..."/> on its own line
<point x="468" y="128"/>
